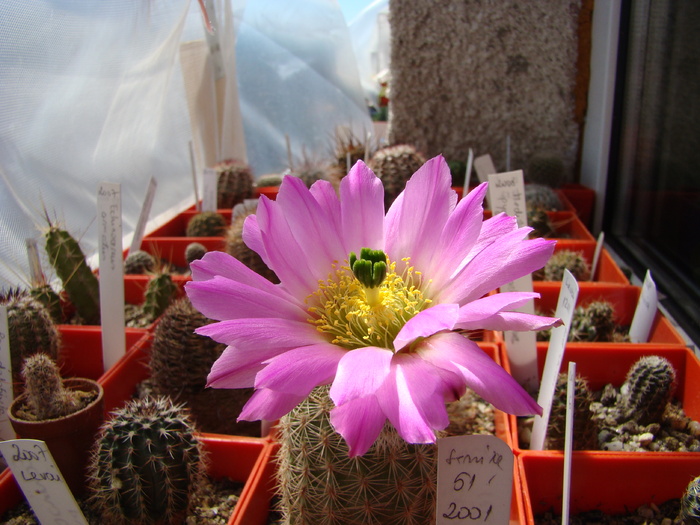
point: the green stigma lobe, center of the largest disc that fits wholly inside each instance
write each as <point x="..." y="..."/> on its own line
<point x="370" y="268"/>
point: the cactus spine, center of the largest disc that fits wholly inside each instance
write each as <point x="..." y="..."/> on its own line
<point x="79" y="282"/>
<point x="146" y="464"/>
<point x="649" y="386"/>
<point x="566" y="260"/>
<point x="234" y="183"/>
<point x="139" y="262"/>
<point x="585" y="431"/>
<point x="159" y="295"/>
<point x="47" y="398"/>
<point x="30" y="329"/>
<point x="690" y="503"/>
<point x="206" y="224"/>
<point x="394" y="165"/>
<point x="319" y="483"/>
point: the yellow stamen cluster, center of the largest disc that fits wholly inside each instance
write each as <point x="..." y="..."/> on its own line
<point x="355" y="316"/>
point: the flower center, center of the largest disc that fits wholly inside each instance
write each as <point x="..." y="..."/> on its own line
<point x="368" y="304"/>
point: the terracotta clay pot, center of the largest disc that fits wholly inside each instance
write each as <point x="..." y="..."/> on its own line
<point x="69" y="438"/>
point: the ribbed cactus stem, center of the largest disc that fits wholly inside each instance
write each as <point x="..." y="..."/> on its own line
<point x="649" y="386"/>
<point x="206" y="224"/>
<point x="79" y="282"/>
<point x="159" y="294"/>
<point x="46" y="395"/>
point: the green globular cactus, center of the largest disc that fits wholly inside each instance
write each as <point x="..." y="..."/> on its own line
<point x="31" y="330"/>
<point x="79" y="282"/>
<point x="234" y="245"/>
<point x="206" y="224"/>
<point x="234" y="183"/>
<point x="46" y="295"/>
<point x="594" y="323"/>
<point x="47" y="398"/>
<point x="547" y="169"/>
<point x="180" y="362"/>
<point x="159" y="294"/>
<point x="539" y="196"/>
<point x="139" y="262"/>
<point x="269" y="180"/>
<point x="146" y="464"/>
<point x="649" y="386"/>
<point x="318" y="483"/>
<point x="394" y="165"/>
<point x="565" y="260"/>
<point x="194" y="251"/>
<point x="585" y="433"/>
<point x="690" y="503"/>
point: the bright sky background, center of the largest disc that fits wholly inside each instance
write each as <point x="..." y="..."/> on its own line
<point x="352" y="8"/>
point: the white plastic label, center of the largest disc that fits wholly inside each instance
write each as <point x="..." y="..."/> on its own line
<point x="507" y="194"/>
<point x="555" y="354"/>
<point x="522" y="346"/>
<point x="41" y="482"/>
<point x="209" y="184"/>
<point x="568" y="441"/>
<point x="484" y="167"/>
<point x="645" y="313"/>
<point x="6" y="391"/>
<point x="35" y="273"/>
<point x="143" y="216"/>
<point x="468" y="173"/>
<point x="475" y="480"/>
<point x="109" y="213"/>
<point x="596" y="254"/>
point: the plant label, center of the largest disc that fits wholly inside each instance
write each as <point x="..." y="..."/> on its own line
<point x="35" y="273"/>
<point x="596" y="254"/>
<point x="645" y="313"/>
<point x="468" y="173"/>
<point x="209" y="189"/>
<point x="555" y="355"/>
<point x="143" y="216"/>
<point x="507" y="195"/>
<point x="6" y="390"/>
<point x="193" y="168"/>
<point x="484" y="167"/>
<point x="568" y="440"/>
<point x="109" y="214"/>
<point x="41" y="482"/>
<point x="474" y="480"/>
<point x="522" y="346"/>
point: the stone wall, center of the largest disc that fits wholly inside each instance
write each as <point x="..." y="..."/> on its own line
<point x="468" y="73"/>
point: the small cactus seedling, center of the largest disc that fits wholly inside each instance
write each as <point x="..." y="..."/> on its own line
<point x="194" y="251"/>
<point x="546" y="169"/>
<point x="146" y="465"/>
<point x="690" y="503"/>
<point x="206" y="224"/>
<point x="234" y="183"/>
<point x="79" y="283"/>
<point x="47" y="398"/>
<point x="566" y="260"/>
<point x="268" y="180"/>
<point x="394" y="165"/>
<point x="649" y="386"/>
<point x="31" y="330"/>
<point x="593" y="323"/>
<point x="585" y="435"/>
<point x="538" y="196"/>
<point x="139" y="262"/>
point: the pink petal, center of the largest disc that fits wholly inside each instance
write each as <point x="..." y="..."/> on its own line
<point x="412" y="397"/>
<point x="426" y="323"/>
<point x="221" y="298"/>
<point x="222" y="264"/>
<point x="327" y="198"/>
<point x="359" y="422"/>
<point x="269" y="405"/>
<point x="360" y="372"/>
<point x="454" y="352"/>
<point x="299" y="370"/>
<point x="415" y="220"/>
<point x="490" y="305"/>
<point x="237" y="368"/>
<point x="362" y="209"/>
<point x="252" y="236"/>
<point x="255" y="333"/>
<point x="514" y="321"/>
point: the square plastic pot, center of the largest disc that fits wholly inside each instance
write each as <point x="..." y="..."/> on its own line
<point x="177" y="226"/>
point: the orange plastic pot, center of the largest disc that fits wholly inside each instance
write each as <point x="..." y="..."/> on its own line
<point x="569" y="227"/>
<point x="613" y="484"/>
<point x="268" y="191"/>
<point x="582" y="200"/>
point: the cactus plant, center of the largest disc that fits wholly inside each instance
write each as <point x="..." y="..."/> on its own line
<point x="47" y="398"/>
<point x="565" y="260"/>
<point x="690" y="503"/>
<point x="319" y="483"/>
<point x="139" y="262"/>
<point x="539" y="220"/>
<point x="394" y="165"/>
<point x="194" y="251"/>
<point x="347" y="147"/>
<point x="146" y="464"/>
<point x="593" y="323"/>
<point x="180" y="362"/>
<point x="271" y="179"/>
<point x="585" y="435"/>
<point x="159" y="294"/>
<point x="206" y="224"/>
<point x="649" y="386"/>
<point x="539" y="196"/>
<point x="46" y="295"/>
<point x="79" y="283"/>
<point x="547" y="169"/>
<point x="234" y="245"/>
<point x="30" y="328"/>
<point x="234" y="183"/>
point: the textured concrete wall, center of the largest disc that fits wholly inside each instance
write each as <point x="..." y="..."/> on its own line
<point x="467" y="73"/>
